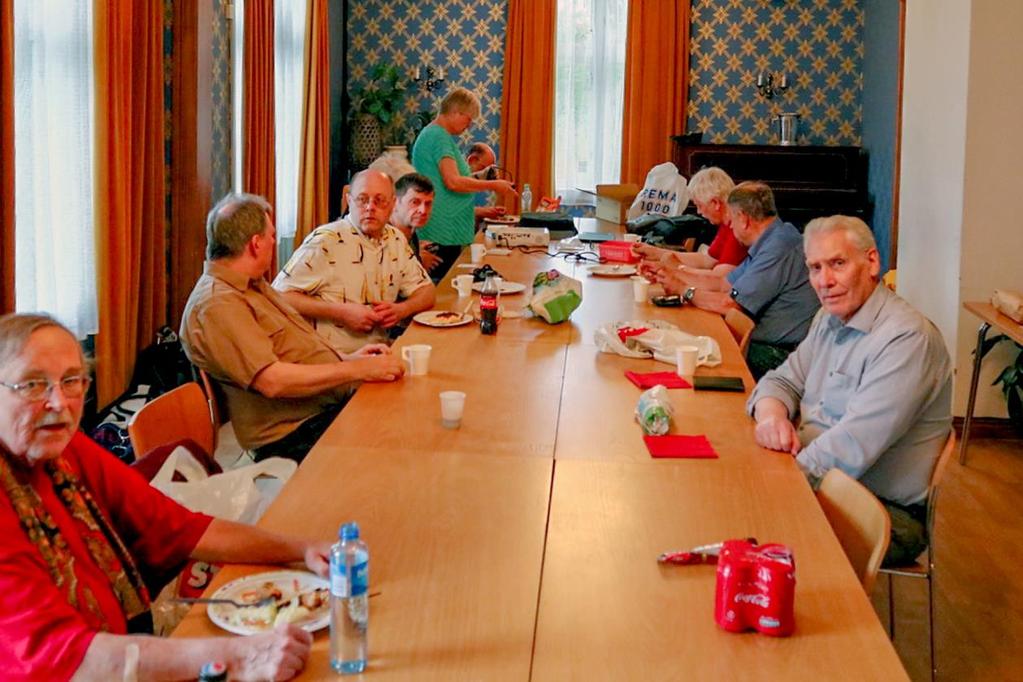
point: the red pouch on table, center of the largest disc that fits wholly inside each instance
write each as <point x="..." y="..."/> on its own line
<point x="756" y="588"/>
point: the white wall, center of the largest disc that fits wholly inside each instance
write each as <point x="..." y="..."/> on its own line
<point x="959" y="228"/>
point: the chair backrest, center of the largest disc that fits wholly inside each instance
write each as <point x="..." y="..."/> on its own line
<point x="180" y="413"/>
<point x="859" y="520"/>
<point x="344" y="199"/>
<point x="889" y="279"/>
<point x="741" y="327"/>
<point x="936" y="474"/>
<point x="214" y="399"/>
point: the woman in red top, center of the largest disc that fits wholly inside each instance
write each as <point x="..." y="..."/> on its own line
<point x="708" y="190"/>
<point x="82" y="532"/>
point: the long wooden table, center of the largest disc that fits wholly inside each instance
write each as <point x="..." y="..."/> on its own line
<point x="523" y="545"/>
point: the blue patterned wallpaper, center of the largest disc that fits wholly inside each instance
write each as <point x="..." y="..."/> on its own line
<point x="464" y="37"/>
<point x="220" y="139"/>
<point x="818" y="44"/>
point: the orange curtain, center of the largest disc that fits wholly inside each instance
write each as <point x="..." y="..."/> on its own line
<point x="656" y="84"/>
<point x="129" y="202"/>
<point x="527" y="105"/>
<point x="258" y="176"/>
<point x="314" y="165"/>
<point x="6" y="156"/>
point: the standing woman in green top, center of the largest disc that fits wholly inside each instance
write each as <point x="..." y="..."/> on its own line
<point x="436" y="155"/>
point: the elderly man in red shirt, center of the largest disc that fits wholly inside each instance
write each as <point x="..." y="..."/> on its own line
<point x="708" y="190"/>
<point x="82" y="532"/>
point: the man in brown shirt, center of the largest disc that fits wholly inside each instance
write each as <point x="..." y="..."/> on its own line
<point x="284" y="384"/>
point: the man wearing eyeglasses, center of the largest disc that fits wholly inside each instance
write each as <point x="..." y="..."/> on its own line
<point x="357" y="277"/>
<point x="85" y="538"/>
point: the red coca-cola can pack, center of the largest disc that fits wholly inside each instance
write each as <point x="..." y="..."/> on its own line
<point x="756" y="588"/>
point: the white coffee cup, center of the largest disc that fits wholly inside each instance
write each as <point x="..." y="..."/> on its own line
<point x="685" y="360"/>
<point x="640" y="288"/>
<point x="463" y="283"/>
<point x="452" y="404"/>
<point x="631" y="238"/>
<point x="477" y="251"/>
<point x="418" y="358"/>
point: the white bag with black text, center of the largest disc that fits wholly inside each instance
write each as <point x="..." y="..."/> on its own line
<point x="665" y="193"/>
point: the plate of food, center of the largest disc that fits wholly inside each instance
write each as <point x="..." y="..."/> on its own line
<point x="503" y="220"/>
<point x="506" y="287"/>
<point x="442" y="318"/>
<point x="613" y="270"/>
<point x="298" y="597"/>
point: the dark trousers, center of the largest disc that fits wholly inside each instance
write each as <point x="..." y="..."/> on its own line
<point x="763" y="357"/>
<point x="448" y="254"/>
<point x="909" y="533"/>
<point x="300" y="441"/>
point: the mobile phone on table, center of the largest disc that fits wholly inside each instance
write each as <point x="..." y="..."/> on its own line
<point x="667" y="301"/>
<point x="711" y="383"/>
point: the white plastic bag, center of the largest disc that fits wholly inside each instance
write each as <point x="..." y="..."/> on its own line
<point x="654" y="338"/>
<point x="241" y="494"/>
<point x="664" y="193"/>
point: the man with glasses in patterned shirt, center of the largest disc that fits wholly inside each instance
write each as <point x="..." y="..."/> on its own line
<point x="347" y="276"/>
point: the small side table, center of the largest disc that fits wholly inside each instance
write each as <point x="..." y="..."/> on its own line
<point x="990" y="317"/>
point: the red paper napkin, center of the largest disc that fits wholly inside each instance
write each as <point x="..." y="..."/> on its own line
<point x="683" y="447"/>
<point x="651" y="379"/>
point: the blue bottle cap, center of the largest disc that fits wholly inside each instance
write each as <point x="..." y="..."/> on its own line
<point x="349" y="531"/>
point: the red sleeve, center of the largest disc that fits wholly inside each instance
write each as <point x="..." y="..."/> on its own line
<point x="41" y="636"/>
<point x="158" y="532"/>
<point x="726" y="249"/>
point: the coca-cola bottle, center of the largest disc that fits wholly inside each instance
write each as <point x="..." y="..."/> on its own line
<point x="488" y="305"/>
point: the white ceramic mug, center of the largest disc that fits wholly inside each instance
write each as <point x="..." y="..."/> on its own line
<point x="685" y="360"/>
<point x="640" y="288"/>
<point x="476" y="252"/>
<point x="418" y="358"/>
<point x="452" y="404"/>
<point x="463" y="283"/>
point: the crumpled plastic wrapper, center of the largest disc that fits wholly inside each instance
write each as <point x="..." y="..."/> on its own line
<point x="555" y="296"/>
<point x="1009" y="303"/>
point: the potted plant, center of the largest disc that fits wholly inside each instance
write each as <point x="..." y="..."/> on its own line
<point x="1011" y="380"/>
<point x="374" y="107"/>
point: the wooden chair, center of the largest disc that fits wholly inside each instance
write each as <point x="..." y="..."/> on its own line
<point x="859" y="520"/>
<point x="889" y="279"/>
<point x="923" y="568"/>
<point x="741" y="327"/>
<point x="213" y="400"/>
<point x="344" y="199"/>
<point x="180" y="413"/>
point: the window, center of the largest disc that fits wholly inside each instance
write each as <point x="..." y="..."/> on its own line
<point x="588" y="95"/>
<point x="53" y="142"/>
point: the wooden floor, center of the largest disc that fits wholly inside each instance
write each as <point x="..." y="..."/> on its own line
<point x="979" y="573"/>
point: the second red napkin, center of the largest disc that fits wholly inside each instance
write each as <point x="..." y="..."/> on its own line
<point x="683" y="447"/>
<point x="651" y="379"/>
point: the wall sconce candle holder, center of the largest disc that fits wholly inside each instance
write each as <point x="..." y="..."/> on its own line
<point x="429" y="77"/>
<point x="768" y="86"/>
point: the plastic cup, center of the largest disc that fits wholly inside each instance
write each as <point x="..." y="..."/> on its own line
<point x="452" y="403"/>
<point x="631" y="238"/>
<point x="640" y="288"/>
<point x="462" y="283"/>
<point x="685" y="360"/>
<point x="418" y="358"/>
<point x="476" y="252"/>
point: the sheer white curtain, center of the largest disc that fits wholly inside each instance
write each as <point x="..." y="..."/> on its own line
<point x="588" y="95"/>
<point x="53" y="187"/>
<point x="289" y="76"/>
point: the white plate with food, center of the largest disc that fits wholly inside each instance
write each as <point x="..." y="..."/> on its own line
<point x="613" y="270"/>
<point x="503" y="220"/>
<point x="442" y="318"/>
<point x="506" y="287"/>
<point x="300" y="598"/>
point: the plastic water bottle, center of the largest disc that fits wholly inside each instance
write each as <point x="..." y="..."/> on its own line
<point x="527" y="199"/>
<point x="349" y="601"/>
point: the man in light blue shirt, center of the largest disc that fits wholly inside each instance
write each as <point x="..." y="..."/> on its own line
<point x="770" y="285"/>
<point x="871" y="384"/>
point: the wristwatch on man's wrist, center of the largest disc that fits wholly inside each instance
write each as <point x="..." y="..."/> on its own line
<point x="688" y="296"/>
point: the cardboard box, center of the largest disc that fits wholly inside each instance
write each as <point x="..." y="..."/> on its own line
<point x="613" y="201"/>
